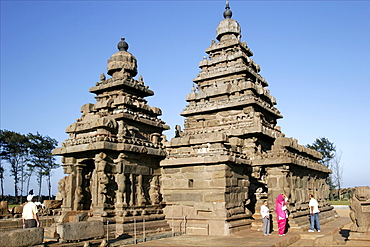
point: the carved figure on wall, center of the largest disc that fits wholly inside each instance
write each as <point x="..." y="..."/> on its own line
<point x="62" y="187"/>
<point x="103" y="181"/>
<point x="139" y="191"/>
<point x="155" y="138"/>
<point x="100" y="163"/>
<point x="121" y="191"/>
<point x="131" y="189"/>
<point x="154" y="190"/>
<point x="178" y="131"/>
<point x="120" y="166"/>
<point x="102" y="77"/>
<point x="141" y="80"/>
<point x="78" y="198"/>
<point x="87" y="191"/>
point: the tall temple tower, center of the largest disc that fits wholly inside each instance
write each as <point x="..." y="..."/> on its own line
<point x="231" y="153"/>
<point x="113" y="152"/>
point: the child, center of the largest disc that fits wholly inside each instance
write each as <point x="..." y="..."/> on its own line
<point x="265" y="213"/>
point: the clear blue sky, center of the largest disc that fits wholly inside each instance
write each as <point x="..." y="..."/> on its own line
<point x="315" y="56"/>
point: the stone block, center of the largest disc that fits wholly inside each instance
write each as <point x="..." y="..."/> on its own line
<point x="22" y="237"/>
<point x="177" y="197"/>
<point x="4" y="208"/>
<point x="219" y="182"/>
<point x="171" y="170"/>
<point x="199" y="168"/>
<point x="80" y="230"/>
<point x="214" y="197"/>
<point x="197" y="229"/>
<point x="188" y="169"/>
<point x="201" y="183"/>
<point x="218" y="174"/>
<point x="17" y="210"/>
<point x="52" y="204"/>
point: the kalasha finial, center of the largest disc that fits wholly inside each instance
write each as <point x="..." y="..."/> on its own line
<point x="227" y="12"/>
<point x="122" y="45"/>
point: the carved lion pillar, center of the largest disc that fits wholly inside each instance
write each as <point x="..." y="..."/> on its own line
<point x="154" y="191"/>
<point x="78" y="191"/>
<point x="120" y="178"/>
<point x="99" y="181"/>
<point x="67" y="187"/>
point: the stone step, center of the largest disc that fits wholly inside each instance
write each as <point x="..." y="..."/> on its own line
<point x="311" y="235"/>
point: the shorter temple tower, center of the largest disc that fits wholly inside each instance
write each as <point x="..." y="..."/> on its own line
<point x="113" y="152"/>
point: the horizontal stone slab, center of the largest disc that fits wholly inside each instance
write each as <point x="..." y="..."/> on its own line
<point x="210" y="158"/>
<point x="109" y="146"/>
<point x="80" y="230"/>
<point x="22" y="237"/>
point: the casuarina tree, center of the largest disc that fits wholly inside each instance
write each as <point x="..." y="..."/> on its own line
<point x="328" y="151"/>
<point x="41" y="158"/>
<point x="14" y="149"/>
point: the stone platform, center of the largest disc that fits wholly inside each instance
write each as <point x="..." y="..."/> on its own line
<point x="333" y="233"/>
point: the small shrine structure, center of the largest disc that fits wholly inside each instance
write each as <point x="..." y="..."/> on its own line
<point x="113" y="152"/>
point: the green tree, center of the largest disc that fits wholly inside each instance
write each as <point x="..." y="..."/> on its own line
<point x="2" y="179"/>
<point x="41" y="158"/>
<point x="326" y="148"/>
<point x="14" y="149"/>
<point x="2" y="170"/>
<point x="328" y="151"/>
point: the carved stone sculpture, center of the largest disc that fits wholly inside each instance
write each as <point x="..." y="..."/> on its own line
<point x="360" y="210"/>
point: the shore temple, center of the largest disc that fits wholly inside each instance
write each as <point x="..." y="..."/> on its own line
<point x="213" y="176"/>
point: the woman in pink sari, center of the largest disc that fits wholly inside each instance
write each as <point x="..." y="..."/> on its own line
<point x="281" y="214"/>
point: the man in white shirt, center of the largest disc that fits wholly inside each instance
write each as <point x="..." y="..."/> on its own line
<point x="265" y="213"/>
<point x="29" y="215"/>
<point x="314" y="214"/>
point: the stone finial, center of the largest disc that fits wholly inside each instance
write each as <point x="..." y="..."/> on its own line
<point x="227" y="12"/>
<point x="122" y="45"/>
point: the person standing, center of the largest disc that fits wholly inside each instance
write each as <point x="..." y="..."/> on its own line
<point x="281" y="214"/>
<point x="29" y="216"/>
<point x="314" y="214"/>
<point x="265" y="213"/>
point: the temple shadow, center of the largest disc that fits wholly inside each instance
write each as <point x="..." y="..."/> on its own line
<point x="345" y="233"/>
<point x="287" y="226"/>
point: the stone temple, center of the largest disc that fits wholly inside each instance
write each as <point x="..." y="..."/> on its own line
<point x="212" y="177"/>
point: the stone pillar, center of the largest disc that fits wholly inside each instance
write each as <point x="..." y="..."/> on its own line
<point x="78" y="190"/>
<point x="132" y="190"/>
<point x="276" y="184"/>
